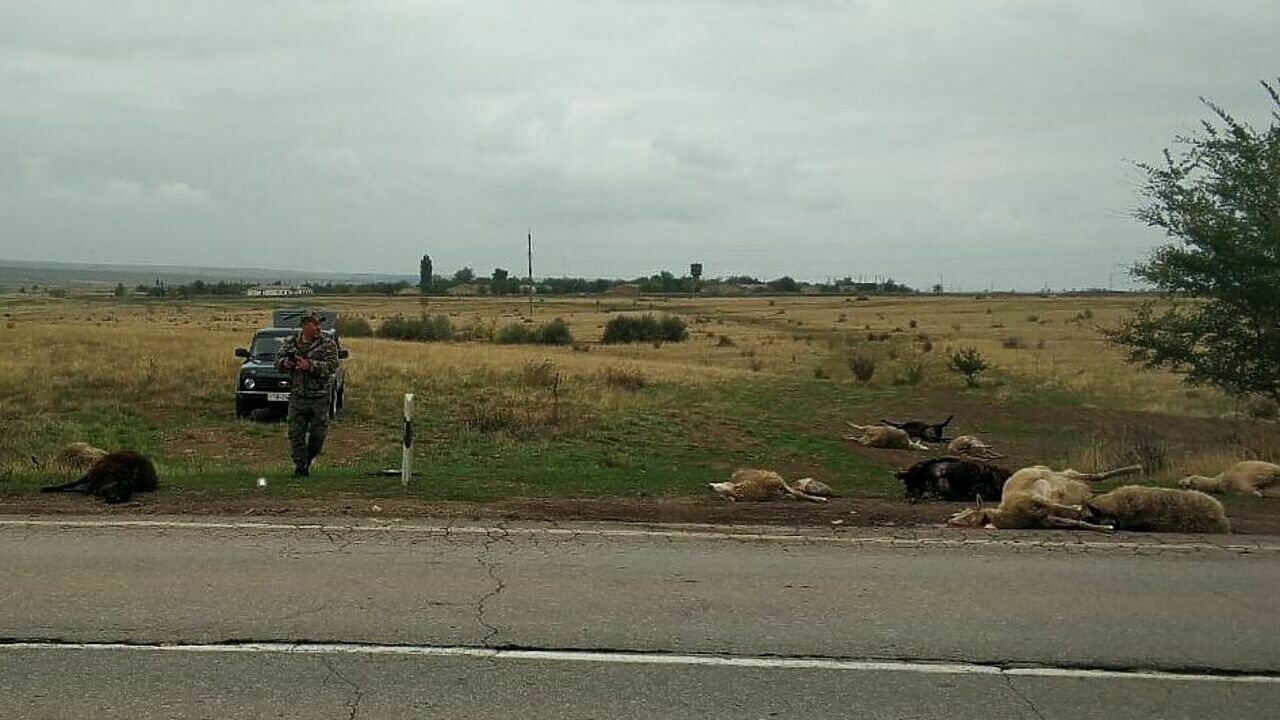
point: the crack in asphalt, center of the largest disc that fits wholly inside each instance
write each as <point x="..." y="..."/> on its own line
<point x="357" y="691"/>
<point x="1008" y="681"/>
<point x="483" y="557"/>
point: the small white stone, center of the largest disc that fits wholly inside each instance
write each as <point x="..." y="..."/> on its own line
<point x="262" y="482"/>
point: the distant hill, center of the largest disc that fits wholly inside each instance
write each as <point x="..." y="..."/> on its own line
<point x="17" y="273"/>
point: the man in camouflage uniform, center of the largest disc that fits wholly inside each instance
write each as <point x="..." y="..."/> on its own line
<point x="311" y="359"/>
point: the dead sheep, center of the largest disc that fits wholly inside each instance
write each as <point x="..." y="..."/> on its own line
<point x="759" y="485"/>
<point x="883" y="436"/>
<point x="1039" y="497"/>
<point x="76" y="457"/>
<point x="920" y="430"/>
<point x="115" y="477"/>
<point x="1249" y="477"/>
<point x="973" y="447"/>
<point x="1152" y="509"/>
<point x="952" y="478"/>
<point x="809" y="486"/>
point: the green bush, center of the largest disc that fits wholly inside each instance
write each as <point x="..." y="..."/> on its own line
<point x="555" y="332"/>
<point x="420" y="329"/>
<point x="644" y="328"/>
<point x="353" y="327"/>
<point x="970" y="363"/>
<point x="516" y="333"/>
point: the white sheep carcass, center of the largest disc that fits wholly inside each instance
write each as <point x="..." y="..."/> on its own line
<point x="1152" y="509"/>
<point x="759" y="485"/>
<point x="884" y="436"/>
<point x="1249" y="477"/>
<point x="971" y="446"/>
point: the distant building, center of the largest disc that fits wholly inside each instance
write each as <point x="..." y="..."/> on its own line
<point x="278" y="291"/>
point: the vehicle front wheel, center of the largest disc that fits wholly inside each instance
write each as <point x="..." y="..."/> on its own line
<point x="243" y="410"/>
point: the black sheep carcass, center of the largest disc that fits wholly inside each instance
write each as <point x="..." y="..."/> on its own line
<point x="114" y="477"/>
<point x="953" y="478"/>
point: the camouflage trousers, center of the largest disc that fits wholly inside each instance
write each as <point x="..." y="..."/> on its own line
<point x="308" y="424"/>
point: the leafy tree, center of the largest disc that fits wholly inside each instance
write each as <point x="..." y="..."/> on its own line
<point x="499" y="281"/>
<point x="424" y="274"/>
<point x="120" y="291"/>
<point x="784" y="284"/>
<point x="465" y="275"/>
<point x="1218" y="197"/>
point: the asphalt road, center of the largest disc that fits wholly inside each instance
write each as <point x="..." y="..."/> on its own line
<point x="229" y="619"/>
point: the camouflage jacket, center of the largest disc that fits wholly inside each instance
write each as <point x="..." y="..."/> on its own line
<point x="323" y="354"/>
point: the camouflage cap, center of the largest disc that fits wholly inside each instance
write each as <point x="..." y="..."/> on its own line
<point x="311" y="314"/>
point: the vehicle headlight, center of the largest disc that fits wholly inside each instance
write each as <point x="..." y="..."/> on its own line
<point x="248" y="383"/>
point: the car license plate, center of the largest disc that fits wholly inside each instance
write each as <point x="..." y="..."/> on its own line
<point x="277" y="397"/>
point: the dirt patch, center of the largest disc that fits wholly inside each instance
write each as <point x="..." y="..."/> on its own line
<point x="1254" y="517"/>
<point x="346" y="444"/>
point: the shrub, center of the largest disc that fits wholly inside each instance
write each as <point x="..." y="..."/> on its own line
<point x="913" y="324"/>
<point x="555" y="332"/>
<point x="514" y="334"/>
<point x="970" y="363"/>
<point x="1013" y="342"/>
<point x="353" y="327"/>
<point x="819" y="373"/>
<point x="862" y="367"/>
<point x="420" y="329"/>
<point x="673" y="329"/>
<point x="1263" y="409"/>
<point x="756" y="365"/>
<point x="541" y="373"/>
<point x="644" y="328"/>
<point x="910" y="373"/>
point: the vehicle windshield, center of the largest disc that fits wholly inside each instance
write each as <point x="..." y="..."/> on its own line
<point x="267" y="345"/>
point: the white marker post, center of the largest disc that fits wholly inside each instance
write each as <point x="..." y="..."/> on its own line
<point x="406" y="460"/>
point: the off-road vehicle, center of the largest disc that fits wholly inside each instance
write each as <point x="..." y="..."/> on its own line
<point x="260" y="387"/>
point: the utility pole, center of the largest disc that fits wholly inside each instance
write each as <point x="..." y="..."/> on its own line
<point x="531" y="288"/>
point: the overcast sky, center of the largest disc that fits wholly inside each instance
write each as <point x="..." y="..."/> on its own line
<point x="987" y="142"/>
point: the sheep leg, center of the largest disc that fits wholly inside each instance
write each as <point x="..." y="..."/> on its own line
<point x="65" y="487"/>
<point x="1054" y="521"/>
<point x="803" y="496"/>
<point x="1095" y="477"/>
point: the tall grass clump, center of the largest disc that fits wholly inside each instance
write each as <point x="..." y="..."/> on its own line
<point x="644" y="328"/>
<point x="426" y="328"/>
<point x="624" y="377"/>
<point x="862" y="367"/>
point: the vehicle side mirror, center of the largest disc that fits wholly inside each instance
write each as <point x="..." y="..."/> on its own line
<point x="242" y="352"/>
<point x="342" y="354"/>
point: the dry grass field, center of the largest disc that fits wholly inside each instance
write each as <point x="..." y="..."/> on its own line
<point x="760" y="381"/>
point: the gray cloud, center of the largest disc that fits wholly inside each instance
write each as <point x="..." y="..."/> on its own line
<point x="987" y="141"/>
